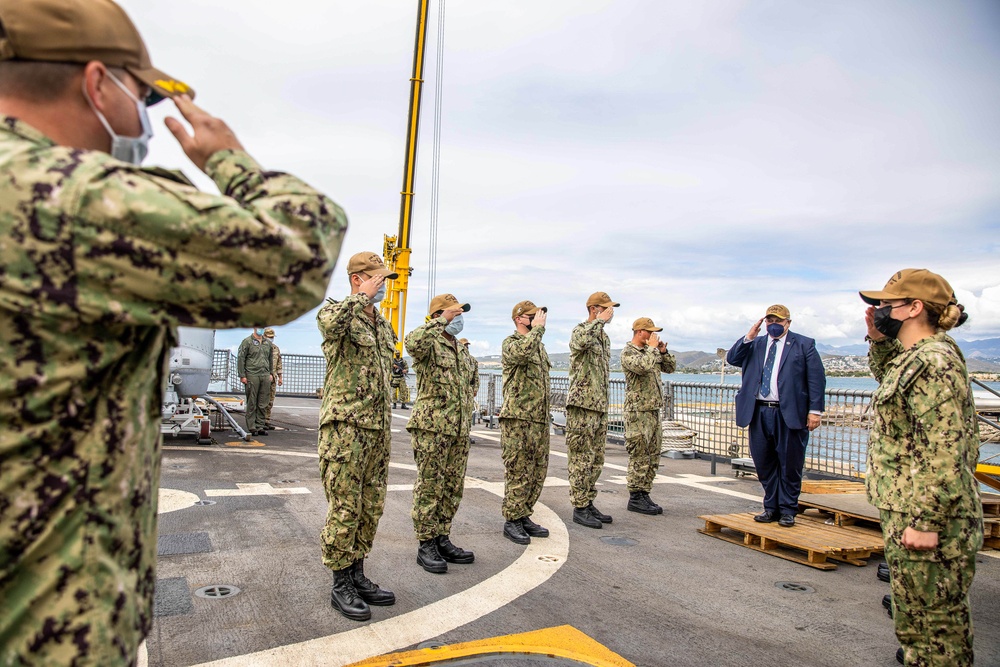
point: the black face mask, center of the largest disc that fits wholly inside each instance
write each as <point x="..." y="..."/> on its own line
<point x="884" y="323"/>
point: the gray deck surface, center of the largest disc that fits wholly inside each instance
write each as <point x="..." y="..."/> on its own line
<point x="658" y="592"/>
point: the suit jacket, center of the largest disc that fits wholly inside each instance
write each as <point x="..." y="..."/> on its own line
<point x="801" y="379"/>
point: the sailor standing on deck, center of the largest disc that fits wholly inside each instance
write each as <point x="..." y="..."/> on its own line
<point x="277" y="369"/>
<point x="439" y="429"/>
<point x="587" y="408"/>
<point x="354" y="433"/>
<point x="101" y="260"/>
<point x="524" y="422"/>
<point x="922" y="456"/>
<point x="643" y="359"/>
<point x="254" y="364"/>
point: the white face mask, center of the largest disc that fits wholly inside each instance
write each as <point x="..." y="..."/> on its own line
<point x="455" y="326"/>
<point x="127" y="149"/>
<point x="380" y="294"/>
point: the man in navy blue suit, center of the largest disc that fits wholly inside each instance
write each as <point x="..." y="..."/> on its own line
<point x="781" y="400"/>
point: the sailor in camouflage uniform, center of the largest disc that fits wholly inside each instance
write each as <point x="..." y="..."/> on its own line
<point x="524" y="422"/>
<point x="400" y="390"/>
<point x="354" y="433"/>
<point x="922" y="453"/>
<point x="277" y="368"/>
<point x="100" y="261"/>
<point x="254" y="363"/>
<point x="439" y="430"/>
<point x="644" y="358"/>
<point x="587" y="408"/>
<point x="474" y="387"/>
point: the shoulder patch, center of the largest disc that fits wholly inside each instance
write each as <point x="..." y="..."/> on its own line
<point x="911" y="372"/>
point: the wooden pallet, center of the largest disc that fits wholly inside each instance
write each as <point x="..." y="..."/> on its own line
<point x="991" y="505"/>
<point x="832" y="486"/>
<point x="809" y="542"/>
<point x="846" y="509"/>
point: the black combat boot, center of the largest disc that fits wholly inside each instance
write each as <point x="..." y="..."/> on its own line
<point x="368" y="589"/>
<point x="514" y="531"/>
<point x="649" y="501"/>
<point x="584" y="517"/>
<point x="887" y="603"/>
<point x="883" y="572"/>
<point x="451" y="553"/>
<point x="429" y="558"/>
<point x="345" y="598"/>
<point x="533" y="529"/>
<point x="638" y="503"/>
<point x="598" y="514"/>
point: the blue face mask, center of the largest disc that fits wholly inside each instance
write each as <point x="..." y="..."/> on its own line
<point x="127" y="149"/>
<point x="455" y="326"/>
<point x="259" y="332"/>
<point x="774" y="330"/>
<point x="380" y="294"/>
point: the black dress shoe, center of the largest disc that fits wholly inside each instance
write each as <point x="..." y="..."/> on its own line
<point x="514" y="531"/>
<point x="637" y="503"/>
<point x="659" y="510"/>
<point x="533" y="529"/>
<point x="599" y="515"/>
<point x="262" y="432"/>
<point x="887" y="603"/>
<point x="451" y="553"/>
<point x="345" y="599"/>
<point x="899" y="655"/>
<point x="584" y="517"/>
<point x="883" y="572"/>
<point x="766" y="516"/>
<point x="429" y="558"/>
<point x="787" y="520"/>
<point x="368" y="589"/>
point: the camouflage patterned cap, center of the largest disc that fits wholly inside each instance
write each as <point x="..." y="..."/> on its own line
<point x="918" y="284"/>
<point x="601" y="299"/>
<point x="79" y="31"/>
<point x="526" y="308"/>
<point x="444" y="302"/>
<point x="778" y="311"/>
<point x="269" y="332"/>
<point x="370" y="263"/>
<point x="645" y="324"/>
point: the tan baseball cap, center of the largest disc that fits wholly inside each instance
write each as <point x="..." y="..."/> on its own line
<point x="778" y="311"/>
<point x="464" y="341"/>
<point x="601" y="299"/>
<point x="645" y="324"/>
<point x="79" y="31"/>
<point x="269" y="332"/>
<point x="444" y="302"/>
<point x="913" y="284"/>
<point x="526" y="308"/>
<point x="367" y="262"/>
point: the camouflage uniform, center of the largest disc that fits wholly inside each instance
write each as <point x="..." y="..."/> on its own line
<point x="254" y="362"/>
<point x="400" y="390"/>
<point x="587" y="409"/>
<point x="643" y="401"/>
<point x="276" y="371"/>
<point x="923" y="450"/>
<point x="439" y="427"/>
<point x="524" y="421"/>
<point x="101" y="260"/>
<point x="354" y="420"/>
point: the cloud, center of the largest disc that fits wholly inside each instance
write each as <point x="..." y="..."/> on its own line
<point x="698" y="161"/>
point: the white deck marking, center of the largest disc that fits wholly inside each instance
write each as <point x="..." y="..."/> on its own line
<point x="256" y="489"/>
<point x="540" y="560"/>
<point x="485" y="434"/>
<point x="171" y="500"/>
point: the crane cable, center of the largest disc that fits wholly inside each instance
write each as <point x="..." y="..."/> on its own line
<point x="436" y="158"/>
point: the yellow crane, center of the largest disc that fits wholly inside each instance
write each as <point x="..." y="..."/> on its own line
<point x="396" y="249"/>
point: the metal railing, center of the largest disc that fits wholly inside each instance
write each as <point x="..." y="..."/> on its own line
<point x="704" y="412"/>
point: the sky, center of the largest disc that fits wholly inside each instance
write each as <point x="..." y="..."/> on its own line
<point x="697" y="161"/>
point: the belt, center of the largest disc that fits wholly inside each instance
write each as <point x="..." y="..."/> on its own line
<point x="767" y="404"/>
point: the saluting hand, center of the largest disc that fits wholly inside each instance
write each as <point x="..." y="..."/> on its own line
<point x="606" y="314"/>
<point x="209" y="134"/>
<point x="540" y="318"/>
<point x="451" y="313"/>
<point x="370" y="287"/>
<point x="873" y="333"/>
<point x="755" y="329"/>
